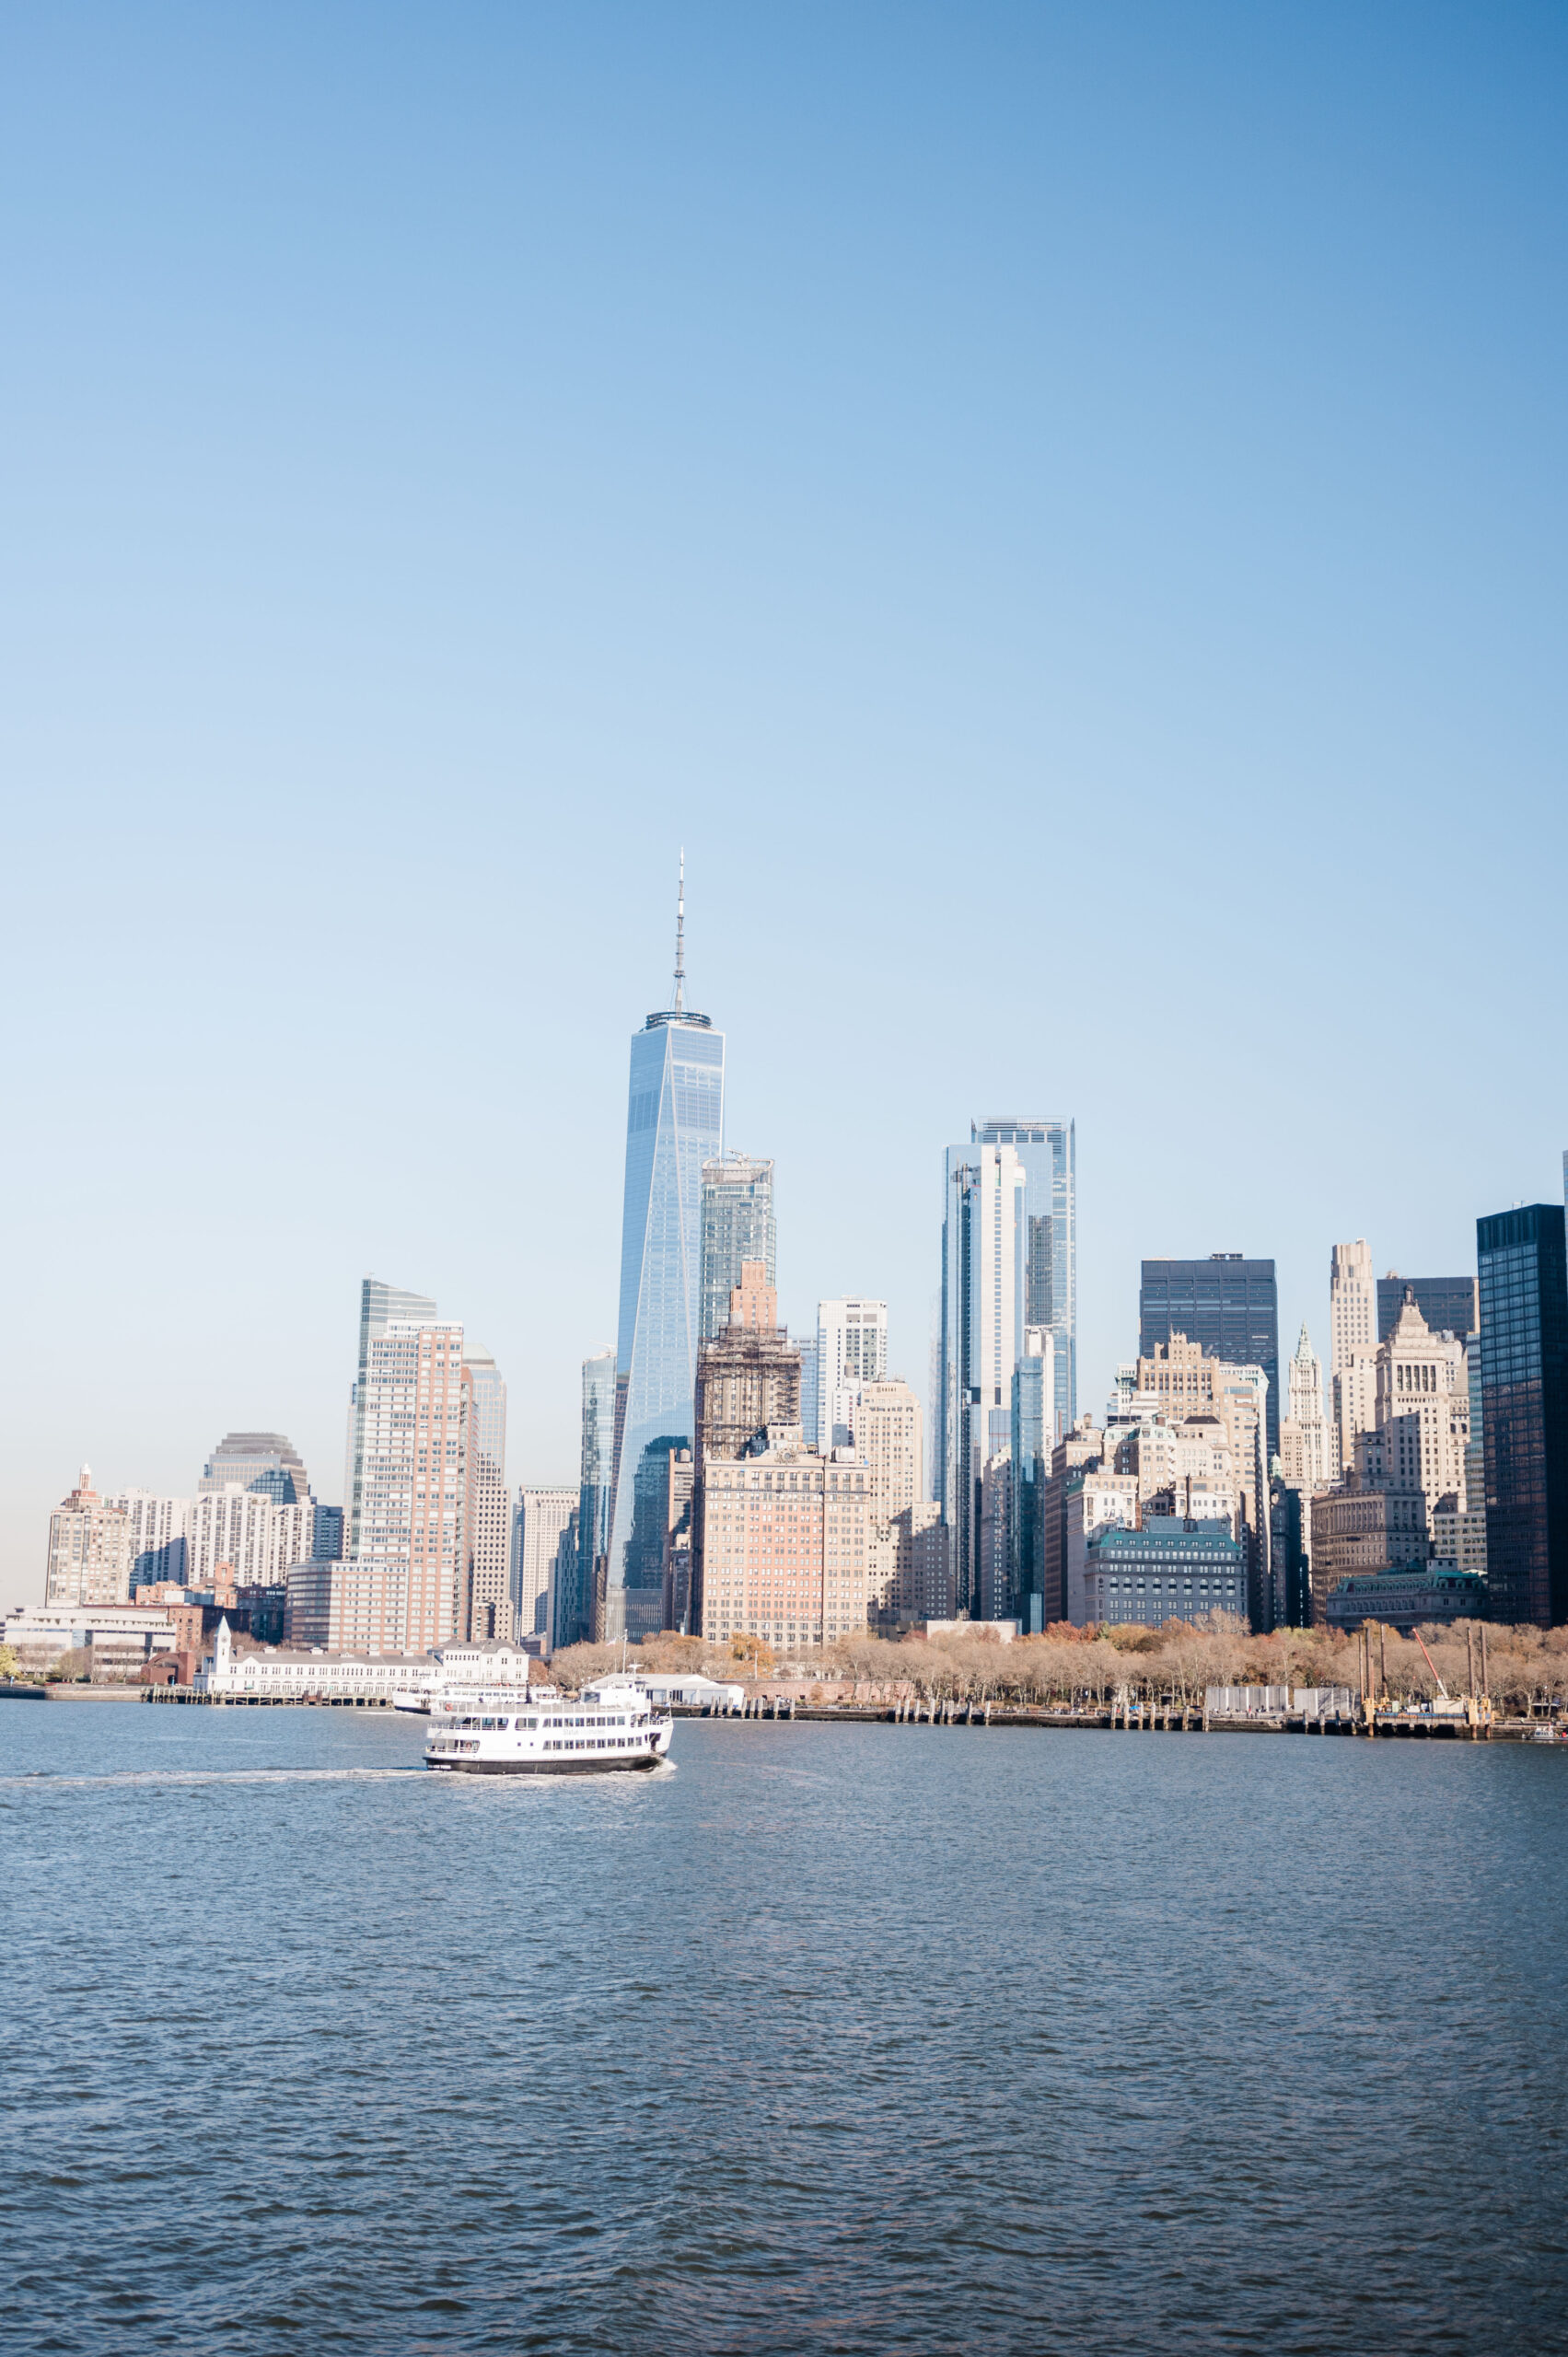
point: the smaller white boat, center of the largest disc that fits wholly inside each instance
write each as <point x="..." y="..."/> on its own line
<point x="509" y="1732"/>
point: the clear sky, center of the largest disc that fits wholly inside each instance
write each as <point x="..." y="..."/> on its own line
<point x="1061" y="511"/>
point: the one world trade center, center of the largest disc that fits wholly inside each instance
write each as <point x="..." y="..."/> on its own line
<point x="674" y="1124"/>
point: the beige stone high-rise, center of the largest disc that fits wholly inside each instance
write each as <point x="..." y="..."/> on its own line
<point x="1407" y="1462"/>
<point x="1353" y="1345"/>
<point x="888" y="1439"/>
<point x="1423" y="1408"/>
<point x="90" y="1549"/>
<point x="887" y="1436"/>
<point x="1306" y="1461"/>
<point x="544" y="1518"/>
<point x="402" y="1590"/>
<point x="487" y="1602"/>
<point x="787" y="1547"/>
<point x="747" y="1384"/>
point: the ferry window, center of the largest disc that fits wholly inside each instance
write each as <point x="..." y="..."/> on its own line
<point x="487" y="1723"/>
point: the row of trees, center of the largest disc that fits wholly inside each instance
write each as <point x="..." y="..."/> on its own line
<point x="1527" y="1667"/>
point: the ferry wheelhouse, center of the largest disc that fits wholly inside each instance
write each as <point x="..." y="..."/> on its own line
<point x="510" y="1732"/>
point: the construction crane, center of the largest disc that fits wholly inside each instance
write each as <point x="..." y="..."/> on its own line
<point x="1432" y="1665"/>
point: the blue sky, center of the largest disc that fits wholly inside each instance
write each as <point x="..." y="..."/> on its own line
<point x="1060" y="511"/>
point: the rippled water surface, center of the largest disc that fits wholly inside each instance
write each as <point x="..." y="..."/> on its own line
<point x="860" y="2038"/>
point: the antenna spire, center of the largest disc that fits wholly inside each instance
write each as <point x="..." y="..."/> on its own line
<point x="680" y="938"/>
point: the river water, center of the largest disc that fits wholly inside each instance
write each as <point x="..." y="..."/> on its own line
<point x="837" y="2038"/>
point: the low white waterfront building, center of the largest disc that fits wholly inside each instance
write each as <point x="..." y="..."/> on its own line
<point x="489" y="1661"/>
<point x="292" y="1673"/>
<point x="688" y="1689"/>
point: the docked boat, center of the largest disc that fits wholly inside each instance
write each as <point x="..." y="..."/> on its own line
<point x="509" y="1733"/>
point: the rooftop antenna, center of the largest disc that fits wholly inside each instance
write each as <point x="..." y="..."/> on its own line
<point x="680" y="938"/>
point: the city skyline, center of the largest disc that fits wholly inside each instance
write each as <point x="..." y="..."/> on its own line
<point x="381" y="1300"/>
<point x="892" y="580"/>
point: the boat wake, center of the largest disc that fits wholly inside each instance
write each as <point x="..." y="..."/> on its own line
<point x="44" y="1778"/>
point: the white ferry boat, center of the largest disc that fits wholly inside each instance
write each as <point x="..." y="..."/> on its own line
<point x="542" y="1733"/>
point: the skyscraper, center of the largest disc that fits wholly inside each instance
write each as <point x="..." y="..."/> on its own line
<point x="248" y="1531"/>
<point x="674" y="1124"/>
<point x="677" y="1521"/>
<point x="748" y="1382"/>
<point x="266" y="1462"/>
<point x="888" y="1442"/>
<point x="543" y="1520"/>
<point x="1421" y="1416"/>
<point x="851" y="1350"/>
<point x="577" y="1608"/>
<point x="1034" y="1393"/>
<point x="487" y="1602"/>
<point x="985" y="1239"/>
<point x="787" y="1548"/>
<point x="378" y="1303"/>
<point x="1048" y="1151"/>
<point x="401" y="1589"/>
<point x="748" y="1375"/>
<point x="738" y="1227"/>
<point x="1227" y="1304"/>
<point x="1353" y="1343"/>
<point x="90" y="1549"/>
<point x="1447" y="1303"/>
<point x="1304" y="1436"/>
<point x="1523" y="1258"/>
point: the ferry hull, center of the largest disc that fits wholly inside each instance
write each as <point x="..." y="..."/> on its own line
<point x="642" y="1761"/>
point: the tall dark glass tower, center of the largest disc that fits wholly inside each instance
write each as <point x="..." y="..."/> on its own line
<point x="1447" y="1303"/>
<point x="1227" y="1304"/>
<point x="1523" y="1260"/>
<point x="674" y="1124"/>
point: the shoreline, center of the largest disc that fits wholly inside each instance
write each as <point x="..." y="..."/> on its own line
<point x="1114" y="1719"/>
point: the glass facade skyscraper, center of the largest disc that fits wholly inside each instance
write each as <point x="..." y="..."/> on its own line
<point x="378" y="1306"/>
<point x="985" y="1238"/>
<point x="674" y="1124"/>
<point x="1033" y="1390"/>
<point x="1048" y="1151"/>
<point x="1447" y="1303"/>
<point x="1523" y="1260"/>
<point x="738" y="1226"/>
<point x="577" y="1597"/>
<point x="1227" y="1304"/>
